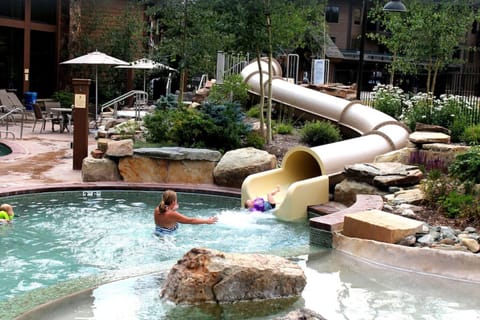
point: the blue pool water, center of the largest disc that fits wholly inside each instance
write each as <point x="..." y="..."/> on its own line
<point x="59" y="240"/>
<point x="68" y="235"/>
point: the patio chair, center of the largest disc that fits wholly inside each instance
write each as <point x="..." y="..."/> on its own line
<point x="43" y="117"/>
<point x="53" y="107"/>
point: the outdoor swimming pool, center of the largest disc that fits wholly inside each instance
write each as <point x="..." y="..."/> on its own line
<point x="64" y="242"/>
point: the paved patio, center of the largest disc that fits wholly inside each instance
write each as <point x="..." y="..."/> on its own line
<point x="38" y="158"/>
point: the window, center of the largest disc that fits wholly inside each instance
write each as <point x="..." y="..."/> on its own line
<point x="356" y="16"/>
<point x="331" y="14"/>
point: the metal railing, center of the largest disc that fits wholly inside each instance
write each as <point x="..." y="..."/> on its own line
<point x="7" y="117"/>
<point x="140" y="100"/>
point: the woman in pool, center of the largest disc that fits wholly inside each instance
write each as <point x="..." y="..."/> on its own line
<point x="6" y="213"/>
<point x="167" y="217"/>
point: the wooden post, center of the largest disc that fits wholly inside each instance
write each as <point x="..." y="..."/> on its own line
<point x="80" y="118"/>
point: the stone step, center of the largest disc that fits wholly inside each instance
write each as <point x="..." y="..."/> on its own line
<point x="380" y="226"/>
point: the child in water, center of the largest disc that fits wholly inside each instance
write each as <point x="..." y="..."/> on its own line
<point x="262" y="205"/>
<point x="6" y="213"/>
<point x="167" y="217"/>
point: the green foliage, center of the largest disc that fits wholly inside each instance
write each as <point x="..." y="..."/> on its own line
<point x="253" y="112"/>
<point x="389" y="100"/>
<point x="170" y="101"/>
<point x="284" y="128"/>
<point x="436" y="186"/>
<point x="233" y="89"/>
<point x="455" y="194"/>
<point x="316" y="133"/>
<point x="158" y="125"/>
<point x="466" y="166"/>
<point x="254" y="139"/>
<point x="456" y="204"/>
<point x="210" y="126"/>
<point x="127" y="129"/>
<point x="64" y="97"/>
<point x="427" y="36"/>
<point x="471" y="135"/>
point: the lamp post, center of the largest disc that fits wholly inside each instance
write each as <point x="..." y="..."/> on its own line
<point x="391" y="6"/>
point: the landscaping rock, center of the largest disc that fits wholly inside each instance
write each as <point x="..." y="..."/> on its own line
<point x="99" y="170"/>
<point x="238" y="164"/>
<point x="211" y="276"/>
<point x="380" y="226"/>
<point x="424" y="137"/>
<point x="120" y="148"/>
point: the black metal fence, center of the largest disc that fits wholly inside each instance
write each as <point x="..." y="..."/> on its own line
<point x="464" y="84"/>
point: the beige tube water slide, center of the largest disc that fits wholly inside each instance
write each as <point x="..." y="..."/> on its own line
<point x="304" y="173"/>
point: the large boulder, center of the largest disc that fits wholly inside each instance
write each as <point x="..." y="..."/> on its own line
<point x="99" y="170"/>
<point x="210" y="276"/>
<point x="238" y="164"/>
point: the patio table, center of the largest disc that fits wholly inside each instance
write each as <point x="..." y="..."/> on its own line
<point x="66" y="114"/>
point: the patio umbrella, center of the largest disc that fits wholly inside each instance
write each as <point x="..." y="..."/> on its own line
<point x="145" y="64"/>
<point x="96" y="58"/>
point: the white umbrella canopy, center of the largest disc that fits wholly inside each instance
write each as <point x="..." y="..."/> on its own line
<point x="96" y="58"/>
<point x="146" y="64"/>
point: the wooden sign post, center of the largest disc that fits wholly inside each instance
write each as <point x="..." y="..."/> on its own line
<point x="80" y="116"/>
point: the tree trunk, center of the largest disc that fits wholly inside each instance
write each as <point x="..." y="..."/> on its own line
<point x="270" y="75"/>
<point x="262" y="96"/>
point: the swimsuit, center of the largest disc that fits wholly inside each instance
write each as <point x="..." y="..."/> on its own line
<point x="259" y="204"/>
<point x="162" y="231"/>
<point x="5" y="215"/>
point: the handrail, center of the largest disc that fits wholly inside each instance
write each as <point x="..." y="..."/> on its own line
<point x="141" y="98"/>
<point x="121" y="98"/>
<point x="203" y="81"/>
<point x="7" y="115"/>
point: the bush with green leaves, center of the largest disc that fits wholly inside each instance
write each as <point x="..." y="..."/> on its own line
<point x="418" y="109"/>
<point x="170" y="101"/>
<point x="455" y="194"/>
<point x="255" y="140"/>
<point x="233" y="89"/>
<point x="471" y="135"/>
<point x="319" y="132"/>
<point x="447" y="111"/>
<point x="466" y="166"/>
<point x="389" y="100"/>
<point x="158" y="125"/>
<point x="65" y="98"/>
<point x="284" y="128"/>
<point x="209" y="126"/>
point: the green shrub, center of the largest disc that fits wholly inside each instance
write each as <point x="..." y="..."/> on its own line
<point x="316" y="133"/>
<point x="233" y="89"/>
<point x="284" y="128"/>
<point x="471" y="135"/>
<point x="210" y="126"/>
<point x="253" y="112"/>
<point x="418" y="109"/>
<point x="255" y="140"/>
<point x="466" y="166"/>
<point x="170" y="101"/>
<point x="389" y="100"/>
<point x="158" y="125"/>
<point x="456" y="204"/>
<point x="65" y="98"/>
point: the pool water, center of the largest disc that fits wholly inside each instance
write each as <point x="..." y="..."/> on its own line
<point x="61" y="238"/>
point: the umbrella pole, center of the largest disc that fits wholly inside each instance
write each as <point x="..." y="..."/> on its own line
<point x="96" y="92"/>
<point x="144" y="80"/>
